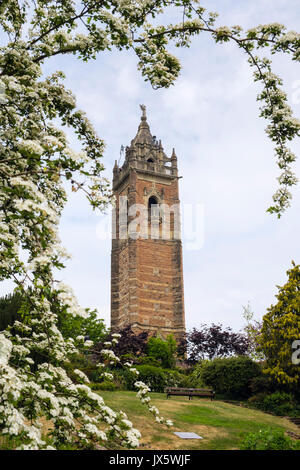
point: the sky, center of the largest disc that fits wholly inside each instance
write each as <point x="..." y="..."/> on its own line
<point x="225" y="158"/>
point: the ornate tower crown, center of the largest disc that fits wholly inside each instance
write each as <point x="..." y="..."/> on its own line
<point x="145" y="153"/>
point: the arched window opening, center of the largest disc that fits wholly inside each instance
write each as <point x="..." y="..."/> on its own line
<point x="153" y="207"/>
<point x="150" y="160"/>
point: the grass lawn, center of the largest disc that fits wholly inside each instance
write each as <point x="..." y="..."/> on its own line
<point x="222" y="425"/>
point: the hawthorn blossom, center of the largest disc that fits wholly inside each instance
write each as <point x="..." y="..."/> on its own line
<point x="37" y="163"/>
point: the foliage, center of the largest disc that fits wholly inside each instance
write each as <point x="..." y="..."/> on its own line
<point x="162" y="350"/>
<point x="140" y="349"/>
<point x="194" y="378"/>
<point x="105" y="385"/>
<point x="9" y="310"/>
<point x="153" y="376"/>
<point x="252" y="331"/>
<point x="82" y="362"/>
<point x="281" y="327"/>
<point x="91" y="327"/>
<point x="35" y="162"/>
<point x="278" y="403"/>
<point x="130" y="346"/>
<point x="268" y="439"/>
<point x="262" y="384"/>
<point x="156" y="378"/>
<point x="214" y="341"/>
<point x="149" y="361"/>
<point x="229" y="376"/>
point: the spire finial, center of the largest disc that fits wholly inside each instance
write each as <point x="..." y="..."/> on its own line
<point x="143" y="108"/>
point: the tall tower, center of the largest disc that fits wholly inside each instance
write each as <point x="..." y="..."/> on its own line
<point x="146" y="259"/>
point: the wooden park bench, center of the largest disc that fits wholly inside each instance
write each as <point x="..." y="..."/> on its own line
<point x="190" y="392"/>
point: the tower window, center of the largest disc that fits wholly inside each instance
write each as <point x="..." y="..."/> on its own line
<point x="150" y="160"/>
<point x="152" y="201"/>
<point x="152" y="207"/>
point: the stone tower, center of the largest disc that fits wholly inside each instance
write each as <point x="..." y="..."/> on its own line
<point x="146" y="260"/>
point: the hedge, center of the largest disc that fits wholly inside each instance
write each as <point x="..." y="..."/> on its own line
<point x="230" y="376"/>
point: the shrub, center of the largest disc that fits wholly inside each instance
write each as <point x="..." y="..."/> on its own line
<point x="162" y="350"/>
<point x="155" y="377"/>
<point x="192" y="381"/>
<point x="149" y="361"/>
<point x="262" y="384"/>
<point x="83" y="363"/>
<point x="268" y="439"/>
<point x="257" y="399"/>
<point x="151" y="375"/>
<point x="230" y="376"/>
<point x="174" y="378"/>
<point x="194" y="377"/>
<point x="105" y="385"/>
<point x="278" y="403"/>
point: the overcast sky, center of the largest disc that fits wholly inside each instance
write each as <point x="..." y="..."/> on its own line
<point x="211" y="117"/>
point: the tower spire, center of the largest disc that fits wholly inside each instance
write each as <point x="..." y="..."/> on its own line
<point x="143" y="134"/>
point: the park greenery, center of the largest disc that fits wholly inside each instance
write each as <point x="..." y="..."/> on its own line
<point x="280" y="329"/>
<point x="37" y="351"/>
<point x="159" y="363"/>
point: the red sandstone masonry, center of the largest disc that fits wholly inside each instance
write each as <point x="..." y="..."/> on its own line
<point x="146" y="274"/>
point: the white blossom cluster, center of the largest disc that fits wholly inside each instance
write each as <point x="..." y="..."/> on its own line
<point x="283" y="127"/>
<point x="142" y="394"/>
<point x="143" y="389"/>
<point x="66" y="296"/>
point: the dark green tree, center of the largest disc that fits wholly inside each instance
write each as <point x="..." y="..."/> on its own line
<point x="10" y="306"/>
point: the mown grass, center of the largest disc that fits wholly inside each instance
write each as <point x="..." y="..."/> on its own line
<point x="222" y="425"/>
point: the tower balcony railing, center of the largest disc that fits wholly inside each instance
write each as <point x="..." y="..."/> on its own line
<point x="158" y="168"/>
<point x="155" y="167"/>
